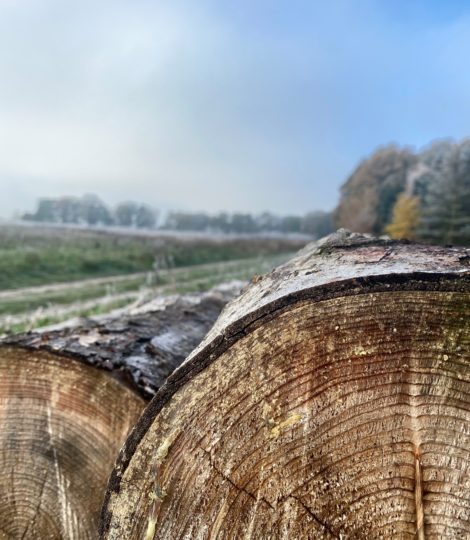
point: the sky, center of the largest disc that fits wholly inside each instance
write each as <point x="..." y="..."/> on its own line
<point x="250" y="105"/>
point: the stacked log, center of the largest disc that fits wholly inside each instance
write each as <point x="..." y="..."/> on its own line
<point x="69" y="397"/>
<point x="139" y="346"/>
<point x="330" y="400"/>
<point x="62" y="424"/>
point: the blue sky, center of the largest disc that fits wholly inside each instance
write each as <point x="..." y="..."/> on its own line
<point x="217" y="105"/>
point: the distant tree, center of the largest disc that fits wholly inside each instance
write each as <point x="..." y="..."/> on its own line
<point x="186" y="221"/>
<point x="437" y="154"/>
<point x="94" y="211"/>
<point x="405" y="217"/>
<point x="170" y="222"/>
<point x="369" y="194"/>
<point x="430" y="167"/>
<point x="220" y="222"/>
<point x="145" y="217"/>
<point x="243" y="223"/>
<point x="89" y="209"/>
<point x="419" y="179"/>
<point x="198" y="222"/>
<point x="125" y="214"/>
<point x="446" y="204"/>
<point x="291" y="224"/>
<point x="268" y="222"/>
<point x="318" y="224"/>
<point x="46" y="211"/>
<point x="69" y="209"/>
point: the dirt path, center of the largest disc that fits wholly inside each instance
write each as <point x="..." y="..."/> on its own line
<point x="17" y="294"/>
<point x="39" y="290"/>
<point x="41" y="308"/>
<point x="58" y="312"/>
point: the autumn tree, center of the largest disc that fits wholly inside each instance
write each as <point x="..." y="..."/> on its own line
<point x="369" y="194"/>
<point x="405" y="217"/>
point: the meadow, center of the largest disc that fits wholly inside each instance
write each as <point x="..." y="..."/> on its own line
<point x="50" y="274"/>
<point x="39" y="255"/>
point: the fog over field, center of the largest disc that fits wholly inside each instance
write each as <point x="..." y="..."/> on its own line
<point x="245" y="106"/>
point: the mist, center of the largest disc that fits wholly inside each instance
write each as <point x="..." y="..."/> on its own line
<point x="253" y="107"/>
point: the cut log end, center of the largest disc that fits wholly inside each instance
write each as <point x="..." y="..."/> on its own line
<point x="314" y="426"/>
<point x="61" y="426"/>
<point x="336" y="412"/>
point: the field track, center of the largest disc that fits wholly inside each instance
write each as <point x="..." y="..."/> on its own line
<point x="31" y="307"/>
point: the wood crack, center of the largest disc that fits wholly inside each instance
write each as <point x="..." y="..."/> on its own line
<point x="41" y="492"/>
<point x="310" y="512"/>
<point x="415" y="426"/>
<point x="419" y="498"/>
<point x="232" y="483"/>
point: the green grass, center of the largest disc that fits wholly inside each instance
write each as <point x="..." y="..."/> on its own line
<point x="25" y="266"/>
<point x="31" y="302"/>
<point x="31" y="256"/>
<point x="69" y="301"/>
<point x="46" y="321"/>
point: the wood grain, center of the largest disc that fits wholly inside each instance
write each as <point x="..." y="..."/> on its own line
<point x="61" y="426"/>
<point x="316" y="421"/>
<point x="315" y="408"/>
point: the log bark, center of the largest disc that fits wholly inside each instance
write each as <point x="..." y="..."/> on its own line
<point x="140" y="346"/>
<point x="330" y="400"/>
<point x="68" y="399"/>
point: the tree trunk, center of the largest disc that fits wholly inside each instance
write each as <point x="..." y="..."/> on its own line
<point x="330" y="400"/>
<point x="68" y="399"/>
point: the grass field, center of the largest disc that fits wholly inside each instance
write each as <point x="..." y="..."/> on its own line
<point x="50" y="275"/>
<point x="31" y="256"/>
<point x="25" y="309"/>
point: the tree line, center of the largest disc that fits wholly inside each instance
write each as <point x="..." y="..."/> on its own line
<point x="91" y="210"/>
<point x="317" y="224"/>
<point x="417" y="195"/>
<point x="421" y="195"/>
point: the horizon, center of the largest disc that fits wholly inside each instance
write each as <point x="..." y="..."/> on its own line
<point x="247" y="108"/>
<point x="163" y="211"/>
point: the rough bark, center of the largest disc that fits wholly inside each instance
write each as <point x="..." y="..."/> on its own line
<point x="330" y="400"/>
<point x="140" y="346"/>
<point x="68" y="399"/>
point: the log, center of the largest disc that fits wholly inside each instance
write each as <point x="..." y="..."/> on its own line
<point x="68" y="399"/>
<point x="140" y="346"/>
<point x="61" y="427"/>
<point x="330" y="400"/>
